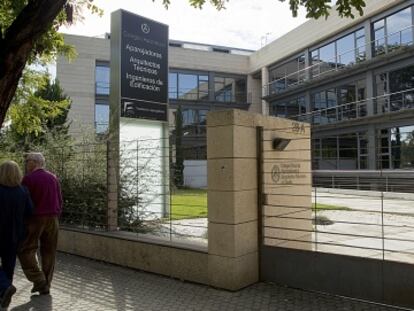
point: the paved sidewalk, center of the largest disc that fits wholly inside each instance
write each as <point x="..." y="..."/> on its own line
<point x="82" y="284"/>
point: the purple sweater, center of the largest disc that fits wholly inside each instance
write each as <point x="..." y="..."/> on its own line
<point x="45" y="192"/>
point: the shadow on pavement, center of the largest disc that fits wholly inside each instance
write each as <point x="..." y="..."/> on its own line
<point x="36" y="303"/>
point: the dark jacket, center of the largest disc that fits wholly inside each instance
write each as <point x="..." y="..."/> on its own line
<point x="15" y="207"/>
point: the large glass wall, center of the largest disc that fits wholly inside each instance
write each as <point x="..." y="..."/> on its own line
<point x="340" y="152"/>
<point x="287" y="75"/>
<point x="394" y="90"/>
<point x="393" y="31"/>
<point x="395" y="147"/>
<point x="339" y="103"/>
<point x="188" y="86"/>
<point x="294" y="108"/>
<point x="229" y="89"/>
<point x="342" y="52"/>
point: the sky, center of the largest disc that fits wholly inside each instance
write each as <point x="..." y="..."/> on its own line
<point x="247" y="24"/>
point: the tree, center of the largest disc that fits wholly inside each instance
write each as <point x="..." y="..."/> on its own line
<point x="28" y="33"/>
<point x="28" y="30"/>
<point x="38" y="113"/>
<point x="314" y="8"/>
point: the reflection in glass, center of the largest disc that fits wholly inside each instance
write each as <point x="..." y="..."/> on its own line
<point x="102" y="79"/>
<point x="172" y="85"/>
<point x="228" y="89"/>
<point x="346" y="50"/>
<point x="393" y="31"/>
<point x="101" y="117"/>
<point x="187" y="86"/>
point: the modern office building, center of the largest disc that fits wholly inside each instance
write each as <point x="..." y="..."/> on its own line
<point x="352" y="79"/>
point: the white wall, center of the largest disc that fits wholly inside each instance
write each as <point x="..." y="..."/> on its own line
<point x="195" y="173"/>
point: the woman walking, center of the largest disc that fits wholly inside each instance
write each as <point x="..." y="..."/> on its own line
<point x="15" y="207"/>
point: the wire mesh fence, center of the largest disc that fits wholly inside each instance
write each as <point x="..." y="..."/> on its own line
<point x="161" y="187"/>
<point x="366" y="213"/>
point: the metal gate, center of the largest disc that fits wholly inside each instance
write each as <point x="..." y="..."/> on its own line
<point x="348" y="240"/>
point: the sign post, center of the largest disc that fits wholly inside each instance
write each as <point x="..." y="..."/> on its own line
<point x="139" y="101"/>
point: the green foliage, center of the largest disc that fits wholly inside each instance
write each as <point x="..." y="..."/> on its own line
<point x="39" y="109"/>
<point x="314" y="8"/>
<point x="51" y="43"/>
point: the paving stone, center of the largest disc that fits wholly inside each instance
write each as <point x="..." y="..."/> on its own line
<point x="82" y="284"/>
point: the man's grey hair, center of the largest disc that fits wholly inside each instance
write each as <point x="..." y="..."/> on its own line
<point x="37" y="157"/>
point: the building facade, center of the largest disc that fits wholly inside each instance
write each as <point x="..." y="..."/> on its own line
<point x="352" y="79"/>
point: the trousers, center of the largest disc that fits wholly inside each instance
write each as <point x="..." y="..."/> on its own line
<point x="42" y="235"/>
<point x="8" y="262"/>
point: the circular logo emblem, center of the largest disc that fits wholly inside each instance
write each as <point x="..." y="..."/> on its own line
<point x="145" y="28"/>
<point x="275" y="174"/>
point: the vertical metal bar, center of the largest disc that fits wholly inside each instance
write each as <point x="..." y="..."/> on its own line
<point x="137" y="176"/>
<point x="260" y="194"/>
<point x="316" y="218"/>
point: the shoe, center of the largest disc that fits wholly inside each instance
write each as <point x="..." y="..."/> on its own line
<point x="41" y="287"/>
<point x="7" y="296"/>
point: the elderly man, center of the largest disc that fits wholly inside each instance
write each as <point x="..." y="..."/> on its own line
<point x="43" y="226"/>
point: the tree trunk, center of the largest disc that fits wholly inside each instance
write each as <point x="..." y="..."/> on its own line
<point x="16" y="45"/>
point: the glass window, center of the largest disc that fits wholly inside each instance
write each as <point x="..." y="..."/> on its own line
<point x="288" y="74"/>
<point x="393" y="31"/>
<point x="101" y="117"/>
<point x="327" y="57"/>
<point x="348" y="152"/>
<point x="399" y="29"/>
<point x="360" y="45"/>
<point x="396" y="148"/>
<point x="406" y="142"/>
<point x="393" y="90"/>
<point x="329" y="153"/>
<point x="102" y="79"/>
<point x="187" y="86"/>
<point x="172" y="85"/>
<point x="228" y="89"/>
<point x="346" y="50"/>
<point x="203" y="87"/>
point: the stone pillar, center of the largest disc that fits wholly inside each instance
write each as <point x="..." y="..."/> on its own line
<point x="235" y="231"/>
<point x="232" y="199"/>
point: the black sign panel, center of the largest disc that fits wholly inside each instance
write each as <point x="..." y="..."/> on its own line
<point x="144" y="68"/>
<point x="143" y="110"/>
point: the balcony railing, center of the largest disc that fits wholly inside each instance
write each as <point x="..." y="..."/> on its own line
<point x="347" y="59"/>
<point x="382" y="104"/>
<point x="224" y="95"/>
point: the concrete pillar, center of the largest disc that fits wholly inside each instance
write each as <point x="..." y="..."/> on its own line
<point x="368" y="39"/>
<point x="265" y="86"/>
<point x="211" y="87"/>
<point x="232" y="200"/>
<point x="372" y="152"/>
<point x="369" y="78"/>
<point x="254" y="94"/>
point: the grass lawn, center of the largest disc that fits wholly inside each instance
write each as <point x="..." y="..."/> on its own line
<point x="188" y="203"/>
<point x="192" y="203"/>
<point x="329" y="207"/>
